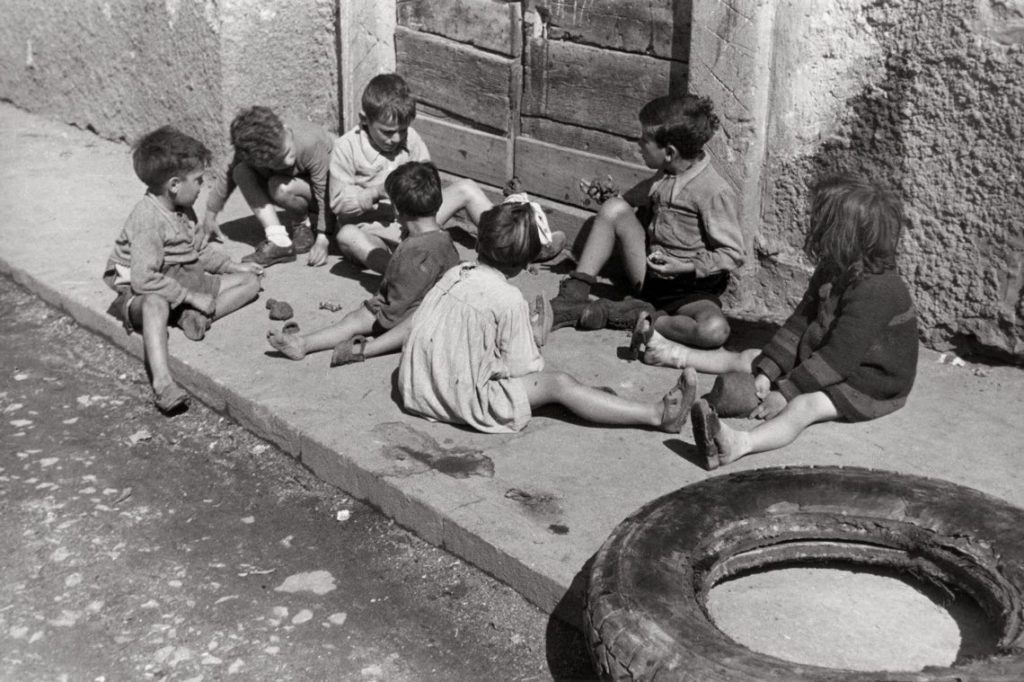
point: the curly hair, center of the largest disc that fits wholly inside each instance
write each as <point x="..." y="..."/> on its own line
<point x="258" y="136"/>
<point x="166" y="152"/>
<point x="386" y="98"/>
<point x="855" y="226"/>
<point x="508" y="236"/>
<point x="686" y="122"/>
<point x="414" y="189"/>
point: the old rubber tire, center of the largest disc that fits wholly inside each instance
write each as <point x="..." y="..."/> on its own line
<point x="646" y="616"/>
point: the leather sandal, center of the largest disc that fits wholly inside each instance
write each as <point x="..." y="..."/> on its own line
<point x="170" y="399"/>
<point x="349" y="351"/>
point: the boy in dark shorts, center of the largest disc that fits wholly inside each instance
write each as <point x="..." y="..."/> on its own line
<point x="278" y="164"/>
<point x="425" y="253"/>
<point x="678" y="235"/>
<point x="162" y="268"/>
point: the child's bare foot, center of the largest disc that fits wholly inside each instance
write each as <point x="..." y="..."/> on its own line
<point x="287" y="342"/>
<point x="654" y="349"/>
<point x="732" y="443"/>
<point x="677" y="402"/>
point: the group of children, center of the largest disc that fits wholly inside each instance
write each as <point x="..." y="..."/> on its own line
<point x="469" y="340"/>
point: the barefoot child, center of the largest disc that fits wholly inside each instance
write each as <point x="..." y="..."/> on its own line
<point x="472" y="357"/>
<point x="678" y="235"/>
<point x="161" y="267"/>
<point x="364" y="156"/>
<point x="277" y="164"/>
<point x="425" y="253"/>
<point x="849" y="350"/>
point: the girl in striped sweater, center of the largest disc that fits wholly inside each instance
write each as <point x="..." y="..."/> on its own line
<point x="848" y="352"/>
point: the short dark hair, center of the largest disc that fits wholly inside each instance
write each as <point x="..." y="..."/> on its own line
<point x="386" y="98"/>
<point x="686" y="122"/>
<point x="166" y="152"/>
<point x="257" y="135"/>
<point x="414" y="189"/>
<point x="508" y="235"/>
<point x="855" y="226"/>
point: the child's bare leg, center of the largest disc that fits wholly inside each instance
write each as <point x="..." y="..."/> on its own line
<point x="366" y="249"/>
<point x="700" y="324"/>
<point x="616" y="222"/>
<point x="252" y="188"/>
<point x="297" y="346"/>
<point x="390" y="341"/>
<point x="463" y="194"/>
<point x="236" y="290"/>
<point x="150" y="312"/>
<point x="292" y="194"/>
<point x="598" y="406"/>
<point x="779" y="431"/>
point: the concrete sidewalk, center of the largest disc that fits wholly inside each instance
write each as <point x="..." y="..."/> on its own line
<point x="529" y="508"/>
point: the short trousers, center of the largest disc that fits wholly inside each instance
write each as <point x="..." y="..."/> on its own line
<point x="670" y="295"/>
<point x="189" y="275"/>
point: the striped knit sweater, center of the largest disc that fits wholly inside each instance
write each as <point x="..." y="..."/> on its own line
<point x="860" y="336"/>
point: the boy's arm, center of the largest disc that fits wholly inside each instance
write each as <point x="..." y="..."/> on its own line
<point x="348" y="198"/>
<point x="724" y="237"/>
<point x="316" y="161"/>
<point x="221" y="188"/>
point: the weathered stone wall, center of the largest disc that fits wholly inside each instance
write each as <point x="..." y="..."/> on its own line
<point x="121" y="67"/>
<point x="926" y="96"/>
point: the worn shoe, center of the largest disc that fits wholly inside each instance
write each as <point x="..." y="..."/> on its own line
<point x="705" y="428"/>
<point x="194" y="324"/>
<point x="347" y="352"/>
<point x="603" y="313"/>
<point x="566" y="313"/>
<point x="303" y="237"/>
<point x="171" y="399"/>
<point x="268" y="253"/>
<point x="550" y="251"/>
<point x="575" y="287"/>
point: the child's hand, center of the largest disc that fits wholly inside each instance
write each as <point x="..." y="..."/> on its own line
<point x="211" y="228"/>
<point x="318" y="254"/>
<point x="772" y="404"/>
<point x="762" y="386"/>
<point x="667" y="267"/>
<point x="204" y="303"/>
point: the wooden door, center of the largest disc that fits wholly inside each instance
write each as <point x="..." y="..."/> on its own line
<point x="545" y="91"/>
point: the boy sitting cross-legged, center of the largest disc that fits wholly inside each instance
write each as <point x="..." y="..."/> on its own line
<point x="162" y="268"/>
<point x="425" y="253"/>
<point x="678" y="235"/>
<point x="364" y="156"/>
<point x="277" y="165"/>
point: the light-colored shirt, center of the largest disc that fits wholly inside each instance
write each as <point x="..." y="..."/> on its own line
<point x="358" y="169"/>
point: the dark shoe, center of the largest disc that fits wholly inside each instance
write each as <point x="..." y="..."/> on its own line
<point x="279" y="310"/>
<point x="733" y="395"/>
<point x="575" y="287"/>
<point x="268" y="253"/>
<point x="603" y="313"/>
<point x="194" y="324"/>
<point x="705" y="428"/>
<point x="349" y="351"/>
<point x="677" y="403"/>
<point x="303" y="238"/>
<point x="566" y="313"/>
<point x="550" y="251"/>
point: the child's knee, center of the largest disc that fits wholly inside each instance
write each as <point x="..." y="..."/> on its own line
<point x="348" y="237"/>
<point x="280" y="194"/>
<point x="614" y="209"/>
<point x="154" y="308"/>
<point x="714" y="331"/>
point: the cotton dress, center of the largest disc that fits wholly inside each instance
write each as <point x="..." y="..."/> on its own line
<point x="470" y="336"/>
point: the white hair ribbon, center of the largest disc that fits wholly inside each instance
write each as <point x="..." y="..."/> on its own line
<point x="539" y="216"/>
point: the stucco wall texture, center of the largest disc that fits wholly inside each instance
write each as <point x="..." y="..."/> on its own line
<point x="926" y="96"/>
<point x="122" y="67"/>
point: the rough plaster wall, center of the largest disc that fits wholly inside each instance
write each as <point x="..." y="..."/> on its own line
<point x="282" y="54"/>
<point x="928" y="97"/>
<point x="117" y="67"/>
